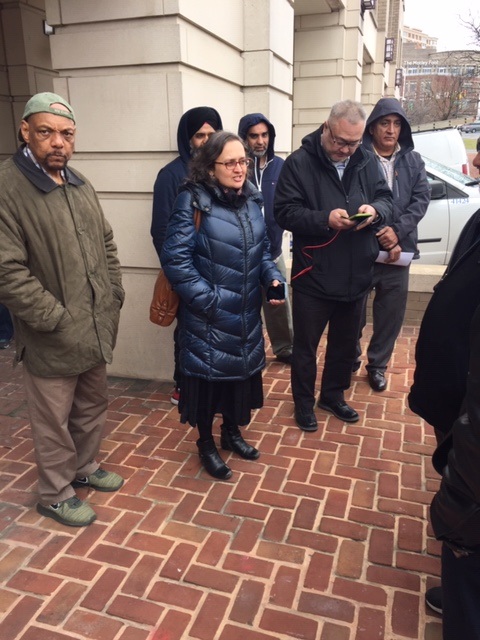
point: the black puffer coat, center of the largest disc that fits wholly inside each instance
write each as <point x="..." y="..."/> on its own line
<point x="218" y="273"/>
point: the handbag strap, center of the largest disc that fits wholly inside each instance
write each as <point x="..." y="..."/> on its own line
<point x="197" y="218"/>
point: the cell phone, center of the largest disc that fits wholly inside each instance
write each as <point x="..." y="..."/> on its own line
<point x="360" y="216"/>
<point x="277" y="292"/>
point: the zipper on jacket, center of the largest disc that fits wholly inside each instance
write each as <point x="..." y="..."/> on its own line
<point x="245" y="278"/>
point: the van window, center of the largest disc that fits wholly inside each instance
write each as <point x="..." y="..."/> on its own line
<point x="447" y="171"/>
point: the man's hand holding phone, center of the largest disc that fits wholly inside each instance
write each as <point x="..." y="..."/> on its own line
<point x="364" y="216"/>
<point x="341" y="221"/>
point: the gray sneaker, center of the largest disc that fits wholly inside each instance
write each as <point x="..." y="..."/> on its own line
<point x="71" y="512"/>
<point x="100" y="480"/>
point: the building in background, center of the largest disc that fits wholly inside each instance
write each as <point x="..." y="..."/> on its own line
<point x="132" y="68"/>
<point x="418" y="38"/>
<point x="440" y="86"/>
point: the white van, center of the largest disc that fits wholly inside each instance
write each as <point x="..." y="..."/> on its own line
<point x="443" y="145"/>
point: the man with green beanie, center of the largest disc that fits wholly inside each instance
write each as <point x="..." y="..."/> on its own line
<point x="60" y="278"/>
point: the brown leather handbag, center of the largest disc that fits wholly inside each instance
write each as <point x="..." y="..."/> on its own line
<point x="164" y="305"/>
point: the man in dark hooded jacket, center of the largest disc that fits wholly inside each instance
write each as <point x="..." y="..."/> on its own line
<point x="389" y="136"/>
<point x="195" y="127"/>
<point x="259" y="135"/>
<point x="321" y="185"/>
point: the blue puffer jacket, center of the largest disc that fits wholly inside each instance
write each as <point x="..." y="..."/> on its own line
<point x="218" y="272"/>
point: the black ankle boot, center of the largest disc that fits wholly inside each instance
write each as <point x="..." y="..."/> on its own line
<point x="211" y="460"/>
<point x="231" y="440"/>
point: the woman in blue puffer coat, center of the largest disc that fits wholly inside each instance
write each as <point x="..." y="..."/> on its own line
<point x="218" y="271"/>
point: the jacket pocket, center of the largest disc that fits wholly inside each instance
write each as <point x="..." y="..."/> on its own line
<point x="455" y="517"/>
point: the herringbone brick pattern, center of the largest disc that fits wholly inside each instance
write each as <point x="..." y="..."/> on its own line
<point x="325" y="537"/>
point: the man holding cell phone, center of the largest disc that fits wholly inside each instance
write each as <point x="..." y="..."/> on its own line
<point x="321" y="186"/>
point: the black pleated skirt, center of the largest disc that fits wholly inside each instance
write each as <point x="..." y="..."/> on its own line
<point x="200" y="400"/>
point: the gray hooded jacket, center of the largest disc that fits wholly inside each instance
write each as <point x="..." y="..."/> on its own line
<point x="411" y="191"/>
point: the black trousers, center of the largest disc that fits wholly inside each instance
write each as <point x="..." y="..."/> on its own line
<point x="460" y="595"/>
<point x="310" y="317"/>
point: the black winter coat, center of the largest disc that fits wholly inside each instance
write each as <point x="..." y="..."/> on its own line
<point x="308" y="189"/>
<point x="218" y="273"/>
<point x="455" y="509"/>
<point x="442" y="349"/>
<point x="447" y="383"/>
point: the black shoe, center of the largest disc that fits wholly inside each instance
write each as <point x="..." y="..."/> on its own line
<point x="356" y="366"/>
<point x="231" y="440"/>
<point x="340" y="410"/>
<point x="376" y="379"/>
<point x="211" y="460"/>
<point x="284" y="359"/>
<point x="306" y="421"/>
<point x="433" y="599"/>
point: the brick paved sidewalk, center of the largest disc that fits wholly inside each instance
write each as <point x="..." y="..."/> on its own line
<point x="323" y="538"/>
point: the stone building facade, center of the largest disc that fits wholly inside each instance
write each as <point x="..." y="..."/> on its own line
<point x="131" y="68"/>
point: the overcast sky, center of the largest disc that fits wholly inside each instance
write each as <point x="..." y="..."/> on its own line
<point x="443" y="21"/>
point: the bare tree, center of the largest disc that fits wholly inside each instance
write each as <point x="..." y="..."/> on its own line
<point x="472" y="24"/>
<point x="448" y="97"/>
<point x="417" y="112"/>
<point x="442" y="86"/>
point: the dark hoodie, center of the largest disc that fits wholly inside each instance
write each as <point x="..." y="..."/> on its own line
<point x="172" y="175"/>
<point x="411" y="191"/>
<point x="265" y="181"/>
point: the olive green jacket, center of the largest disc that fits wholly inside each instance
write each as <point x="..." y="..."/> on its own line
<point x="59" y="272"/>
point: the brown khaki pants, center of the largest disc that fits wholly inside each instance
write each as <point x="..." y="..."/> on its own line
<point x="67" y="418"/>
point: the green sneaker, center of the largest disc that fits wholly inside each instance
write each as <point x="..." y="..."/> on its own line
<point x="72" y="512"/>
<point x="100" y="480"/>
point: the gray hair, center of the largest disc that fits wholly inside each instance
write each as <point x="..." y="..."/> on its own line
<point x="348" y="110"/>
